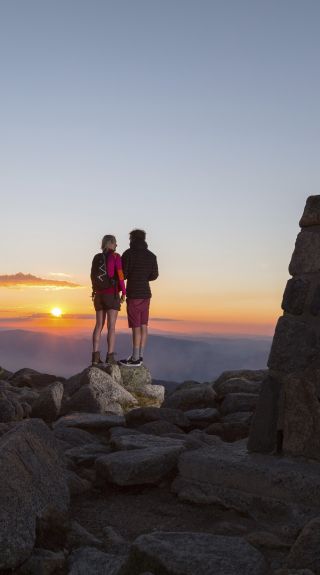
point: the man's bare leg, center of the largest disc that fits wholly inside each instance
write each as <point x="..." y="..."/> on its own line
<point x="144" y="337"/>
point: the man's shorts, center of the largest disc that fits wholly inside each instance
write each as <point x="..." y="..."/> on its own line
<point x="138" y="312"/>
<point x="106" y="301"/>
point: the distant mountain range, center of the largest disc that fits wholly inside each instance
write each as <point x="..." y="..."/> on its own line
<point x="169" y="358"/>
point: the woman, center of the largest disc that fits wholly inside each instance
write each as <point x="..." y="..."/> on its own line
<point x="107" y="281"/>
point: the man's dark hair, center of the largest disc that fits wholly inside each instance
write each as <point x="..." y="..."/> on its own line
<point x="137" y="235"/>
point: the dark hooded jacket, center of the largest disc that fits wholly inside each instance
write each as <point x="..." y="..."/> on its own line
<point x="139" y="267"/>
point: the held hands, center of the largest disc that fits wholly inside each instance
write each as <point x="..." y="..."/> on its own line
<point x="122" y="299"/>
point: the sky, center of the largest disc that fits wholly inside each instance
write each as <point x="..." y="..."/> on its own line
<point x="196" y="120"/>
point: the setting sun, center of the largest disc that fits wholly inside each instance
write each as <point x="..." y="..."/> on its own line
<point x="56" y="312"/>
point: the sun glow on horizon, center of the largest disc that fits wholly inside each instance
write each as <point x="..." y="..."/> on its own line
<point x="56" y="312"/>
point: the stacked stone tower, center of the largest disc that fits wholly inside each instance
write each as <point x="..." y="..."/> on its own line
<point x="288" y="413"/>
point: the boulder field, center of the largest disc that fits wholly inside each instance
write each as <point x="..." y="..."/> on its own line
<point x="107" y="473"/>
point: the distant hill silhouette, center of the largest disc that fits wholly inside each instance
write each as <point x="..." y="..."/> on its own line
<point x="168" y="358"/>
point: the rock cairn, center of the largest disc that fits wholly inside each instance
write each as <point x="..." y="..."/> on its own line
<point x="288" y="412"/>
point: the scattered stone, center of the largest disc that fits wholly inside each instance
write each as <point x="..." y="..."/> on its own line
<point x="234" y="402"/>
<point x="190" y="553"/>
<point x="90" y="421"/>
<point x="160" y="428"/>
<point x="138" y="466"/>
<point x="48" y="405"/>
<point x="143" y="415"/>
<point x="73" y="436"/>
<point x="201" y="418"/>
<point x="237" y="385"/>
<point x="197" y="397"/>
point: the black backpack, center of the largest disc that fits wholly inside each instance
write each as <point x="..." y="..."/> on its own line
<point x="99" y="274"/>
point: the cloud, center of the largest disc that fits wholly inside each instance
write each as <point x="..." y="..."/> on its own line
<point x="28" y="280"/>
<point x="60" y="274"/>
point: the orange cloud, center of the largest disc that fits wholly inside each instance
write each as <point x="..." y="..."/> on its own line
<point x="28" y="280"/>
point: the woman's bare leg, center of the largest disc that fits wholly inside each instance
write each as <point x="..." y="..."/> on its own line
<point x="112" y="315"/>
<point x="100" y="320"/>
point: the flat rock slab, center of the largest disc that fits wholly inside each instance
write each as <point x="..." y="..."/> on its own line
<point x="143" y="415"/>
<point x="227" y="474"/>
<point x="31" y="479"/>
<point x="143" y="441"/>
<point x="91" y="421"/>
<point x="138" y="466"/>
<point x="193" y="554"/>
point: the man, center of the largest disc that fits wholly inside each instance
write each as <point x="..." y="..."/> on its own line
<point x="139" y="267"/>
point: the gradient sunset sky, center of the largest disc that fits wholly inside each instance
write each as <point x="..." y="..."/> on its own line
<point x="196" y="120"/>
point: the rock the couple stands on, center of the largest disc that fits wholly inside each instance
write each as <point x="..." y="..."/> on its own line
<point x="138" y="266"/>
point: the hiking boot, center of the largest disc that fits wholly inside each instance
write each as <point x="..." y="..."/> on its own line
<point x="96" y="359"/>
<point x="130" y="362"/>
<point x="110" y="359"/>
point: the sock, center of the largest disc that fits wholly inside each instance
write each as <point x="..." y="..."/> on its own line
<point x="135" y="353"/>
<point x="141" y="351"/>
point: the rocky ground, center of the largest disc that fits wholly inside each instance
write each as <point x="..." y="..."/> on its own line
<point x="104" y="474"/>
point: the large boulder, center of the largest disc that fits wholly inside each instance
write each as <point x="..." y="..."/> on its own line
<point x="143" y="415"/>
<point x="32" y="378"/>
<point x="138" y="382"/>
<point x="92" y="422"/>
<point x="48" y="405"/>
<point x="201" y="418"/>
<point x="138" y="466"/>
<point x="193" y="553"/>
<point x="260" y="485"/>
<point x="32" y="479"/>
<point x="196" y="397"/>
<point x="237" y="385"/>
<point x="234" y="402"/>
<point x="254" y="375"/>
<point x="99" y="393"/>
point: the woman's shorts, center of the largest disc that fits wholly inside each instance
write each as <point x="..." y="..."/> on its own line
<point x="138" y="312"/>
<point x="106" y="301"/>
